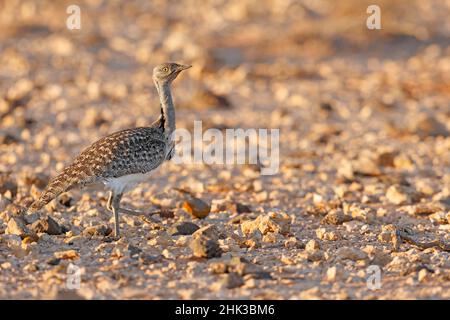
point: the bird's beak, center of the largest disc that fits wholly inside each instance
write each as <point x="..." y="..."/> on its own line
<point x="183" y="67"/>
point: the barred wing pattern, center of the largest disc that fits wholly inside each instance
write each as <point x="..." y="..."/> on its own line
<point x="138" y="150"/>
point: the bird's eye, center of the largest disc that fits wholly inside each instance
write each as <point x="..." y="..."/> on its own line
<point x="165" y="69"/>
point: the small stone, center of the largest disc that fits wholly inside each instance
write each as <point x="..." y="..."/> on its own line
<point x="197" y="207"/>
<point x="31" y="218"/>
<point x="47" y="225"/>
<point x="54" y="261"/>
<point x="134" y="251"/>
<point x="232" y="280"/>
<point x="76" y="240"/>
<point x="333" y="273"/>
<point x="163" y="240"/>
<point x="67" y="255"/>
<point x="398" y="194"/>
<point x="98" y="230"/>
<point x="317" y="255"/>
<point x="40" y="180"/>
<point x="8" y="184"/>
<point x="386" y="159"/>
<point x="426" y="125"/>
<point x="349" y="253"/>
<point x="242" y="267"/>
<point x="31" y="267"/>
<point x="218" y="267"/>
<point x="293" y="242"/>
<point x="16" y="225"/>
<point x="422" y="275"/>
<point x="147" y="259"/>
<point x="353" y="225"/>
<point x="237" y="208"/>
<point x="273" y="222"/>
<point x="271" y="237"/>
<point x="335" y="217"/>
<point x="323" y="234"/>
<point x="183" y="228"/>
<point x="209" y="231"/>
<point x="205" y="248"/>
<point x="65" y="200"/>
<point x="312" y="246"/>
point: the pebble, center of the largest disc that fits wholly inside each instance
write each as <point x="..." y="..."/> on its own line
<point x="197" y="207"/>
<point x="98" y="230"/>
<point x="422" y="275"/>
<point x="232" y="280"/>
<point x="47" y="225"/>
<point x="7" y="184"/>
<point x="147" y="259"/>
<point x="182" y="228"/>
<point x="333" y="274"/>
<point x="323" y="234"/>
<point x="335" y="217"/>
<point x="276" y="222"/>
<point x="350" y="253"/>
<point x="398" y="194"/>
<point x="209" y="231"/>
<point x="204" y="247"/>
<point x="17" y="226"/>
<point x="67" y="255"/>
<point x="312" y="245"/>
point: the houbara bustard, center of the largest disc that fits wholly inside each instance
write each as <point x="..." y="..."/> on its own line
<point x="123" y="159"/>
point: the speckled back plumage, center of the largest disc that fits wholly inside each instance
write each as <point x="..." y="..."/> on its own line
<point x="131" y="151"/>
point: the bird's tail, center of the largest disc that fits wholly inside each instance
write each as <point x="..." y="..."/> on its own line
<point x="57" y="186"/>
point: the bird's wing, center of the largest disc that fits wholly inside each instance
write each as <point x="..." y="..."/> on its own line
<point x="138" y="150"/>
<point x="130" y="151"/>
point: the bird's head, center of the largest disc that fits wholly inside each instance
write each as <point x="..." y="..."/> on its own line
<point x="167" y="72"/>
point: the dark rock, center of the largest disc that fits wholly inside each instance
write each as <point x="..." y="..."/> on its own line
<point x="197" y="207"/>
<point x="31" y="218"/>
<point x="46" y="225"/>
<point x="209" y="232"/>
<point x="54" y="261"/>
<point x="183" y="228"/>
<point x="7" y="184"/>
<point x="7" y="138"/>
<point x="99" y="230"/>
<point x="242" y="267"/>
<point x="17" y="226"/>
<point x="40" y="180"/>
<point x="232" y="280"/>
<point x="204" y="247"/>
<point x="134" y="251"/>
<point x="65" y="200"/>
<point x="149" y="259"/>
<point x="335" y="217"/>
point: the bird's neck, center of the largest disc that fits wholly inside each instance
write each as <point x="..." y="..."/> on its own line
<point x="167" y="108"/>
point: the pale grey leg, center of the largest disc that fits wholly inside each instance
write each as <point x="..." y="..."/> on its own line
<point x="115" y="203"/>
<point x="109" y="203"/>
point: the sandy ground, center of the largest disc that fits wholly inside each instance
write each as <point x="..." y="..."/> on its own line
<point x="364" y="180"/>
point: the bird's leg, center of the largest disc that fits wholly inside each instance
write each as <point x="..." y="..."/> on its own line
<point x="115" y="203"/>
<point x="109" y="203"/>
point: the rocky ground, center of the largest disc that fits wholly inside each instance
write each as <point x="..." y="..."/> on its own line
<point x="364" y="180"/>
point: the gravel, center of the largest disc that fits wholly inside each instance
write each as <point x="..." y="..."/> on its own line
<point x="364" y="150"/>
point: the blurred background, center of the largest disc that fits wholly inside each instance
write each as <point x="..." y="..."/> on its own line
<point x="311" y="68"/>
<point x="364" y="115"/>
